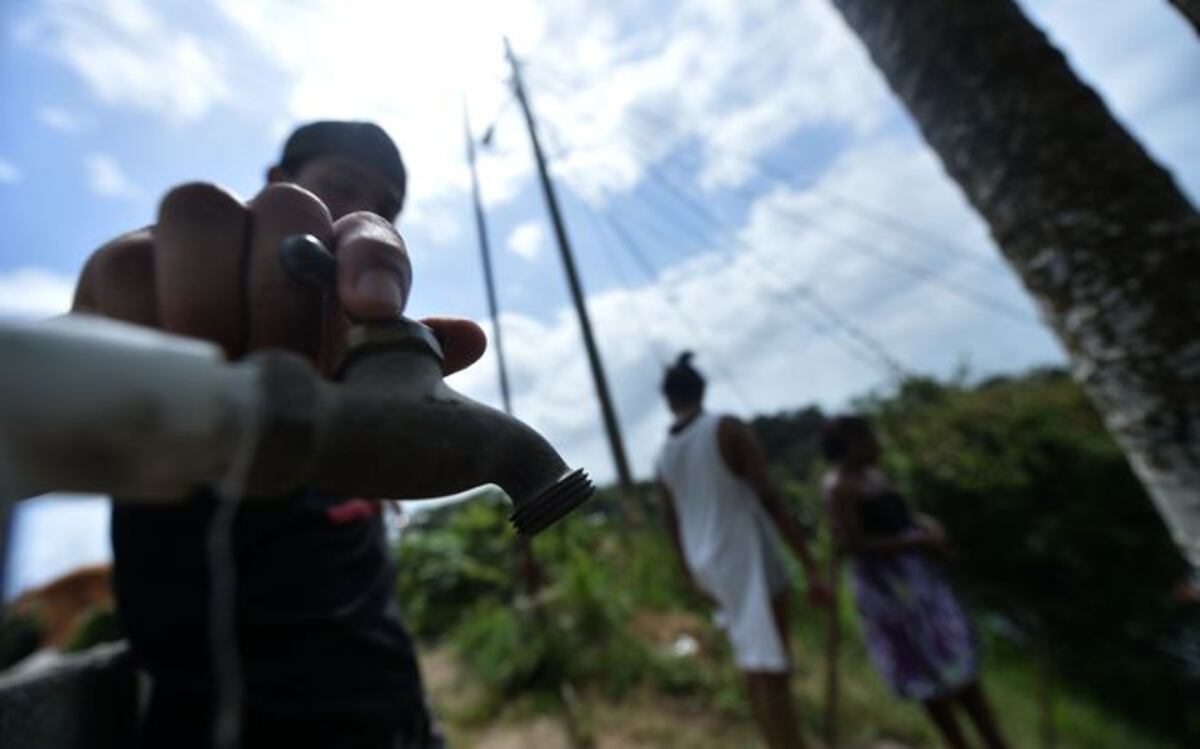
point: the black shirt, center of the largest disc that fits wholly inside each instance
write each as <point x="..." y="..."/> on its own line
<point x="884" y="513"/>
<point x="319" y="635"/>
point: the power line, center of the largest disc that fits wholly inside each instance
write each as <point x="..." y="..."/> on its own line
<point x="860" y="343"/>
<point x="876" y="349"/>
<point x="631" y="247"/>
<point x="857" y="338"/>
<point x="877" y="354"/>
<point x="916" y="270"/>
<point x="660" y="353"/>
<point x="651" y="273"/>
<point x="871" y="213"/>
<point x="922" y="273"/>
<point x="804" y="292"/>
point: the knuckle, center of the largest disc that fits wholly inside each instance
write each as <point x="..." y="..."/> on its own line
<point x="367" y="224"/>
<point x="127" y="256"/>
<point x="200" y="201"/>
<point x="286" y="200"/>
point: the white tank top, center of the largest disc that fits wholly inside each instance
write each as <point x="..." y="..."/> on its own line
<point x="720" y="517"/>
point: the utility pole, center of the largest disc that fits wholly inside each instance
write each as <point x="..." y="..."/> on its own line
<point x="486" y="253"/>
<point x="564" y="248"/>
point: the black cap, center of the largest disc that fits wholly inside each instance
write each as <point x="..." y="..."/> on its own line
<point x="364" y="142"/>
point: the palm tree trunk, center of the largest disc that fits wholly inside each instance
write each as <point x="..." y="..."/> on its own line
<point x="1190" y="9"/>
<point x="1099" y="233"/>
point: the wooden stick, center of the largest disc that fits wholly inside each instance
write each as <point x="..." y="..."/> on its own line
<point x="832" y="652"/>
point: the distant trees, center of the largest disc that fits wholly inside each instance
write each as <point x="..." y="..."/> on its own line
<point x="1058" y="545"/>
<point x="1099" y="233"/>
<point x="1056" y="536"/>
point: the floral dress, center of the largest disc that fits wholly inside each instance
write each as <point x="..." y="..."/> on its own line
<point x="916" y="632"/>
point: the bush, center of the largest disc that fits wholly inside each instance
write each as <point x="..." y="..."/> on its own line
<point x="1054" y="531"/>
<point x="462" y="557"/>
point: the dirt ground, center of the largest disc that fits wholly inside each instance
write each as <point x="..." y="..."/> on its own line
<point x="646" y="721"/>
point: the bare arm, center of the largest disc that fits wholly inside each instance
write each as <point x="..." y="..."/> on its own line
<point x="743" y="456"/>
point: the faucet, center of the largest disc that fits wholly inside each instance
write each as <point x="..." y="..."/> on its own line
<point x="93" y="405"/>
<point x="390" y="426"/>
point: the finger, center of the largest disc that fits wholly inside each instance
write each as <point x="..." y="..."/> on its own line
<point x="200" y="254"/>
<point x="374" y="272"/>
<point x="374" y="276"/>
<point x="284" y="313"/>
<point x="463" y="342"/>
<point x="118" y="280"/>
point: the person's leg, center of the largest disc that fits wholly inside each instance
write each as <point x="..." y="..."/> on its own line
<point x="973" y="700"/>
<point x="770" y="692"/>
<point x="779" y="610"/>
<point x="771" y="701"/>
<point x="941" y="712"/>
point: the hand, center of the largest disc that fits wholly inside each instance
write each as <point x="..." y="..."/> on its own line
<point x="210" y="269"/>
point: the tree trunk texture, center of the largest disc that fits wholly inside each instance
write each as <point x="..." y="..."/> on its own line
<point x="1191" y="10"/>
<point x="1100" y="234"/>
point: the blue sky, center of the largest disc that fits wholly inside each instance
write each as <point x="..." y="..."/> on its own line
<point x="748" y="150"/>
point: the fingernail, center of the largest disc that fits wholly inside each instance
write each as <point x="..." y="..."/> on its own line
<point x="381" y="287"/>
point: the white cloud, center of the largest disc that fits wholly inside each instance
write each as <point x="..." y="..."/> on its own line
<point x="722" y="75"/>
<point x="527" y="240"/>
<point x="740" y="307"/>
<point x="406" y="69"/>
<point x="129" y="56"/>
<point x="9" y="173"/>
<point x="107" y="179"/>
<point x="726" y="77"/>
<point x="33" y="293"/>
<point x="59" y="119"/>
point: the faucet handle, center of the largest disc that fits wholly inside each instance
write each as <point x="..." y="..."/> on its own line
<point x="307" y="261"/>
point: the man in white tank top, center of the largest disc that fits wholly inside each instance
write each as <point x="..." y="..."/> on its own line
<point x="726" y="520"/>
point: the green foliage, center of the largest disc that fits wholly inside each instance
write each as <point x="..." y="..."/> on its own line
<point x="98" y="625"/>
<point x="459" y="558"/>
<point x="1054" y="532"/>
<point x="20" y="635"/>
<point x="1056" y="539"/>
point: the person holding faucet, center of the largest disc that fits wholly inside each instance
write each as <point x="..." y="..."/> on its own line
<point x="325" y="659"/>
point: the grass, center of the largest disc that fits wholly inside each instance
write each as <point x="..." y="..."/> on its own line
<point x="606" y="627"/>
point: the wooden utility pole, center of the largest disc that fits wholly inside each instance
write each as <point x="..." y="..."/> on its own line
<point x="1100" y="234"/>
<point x="485" y="252"/>
<point x="611" y="426"/>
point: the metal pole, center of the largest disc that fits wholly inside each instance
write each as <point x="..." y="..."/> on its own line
<point x="564" y="247"/>
<point x="485" y="252"/>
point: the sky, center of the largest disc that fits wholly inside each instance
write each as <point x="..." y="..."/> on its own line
<point x="737" y="180"/>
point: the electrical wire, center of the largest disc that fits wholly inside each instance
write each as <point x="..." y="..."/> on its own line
<point x="870" y="213"/>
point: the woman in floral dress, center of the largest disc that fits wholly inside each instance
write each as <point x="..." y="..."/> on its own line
<point x="917" y="635"/>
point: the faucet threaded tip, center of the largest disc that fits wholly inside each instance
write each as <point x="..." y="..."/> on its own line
<point x="553" y="503"/>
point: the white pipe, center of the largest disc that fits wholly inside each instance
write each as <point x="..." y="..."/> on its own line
<point x="93" y="405"/>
